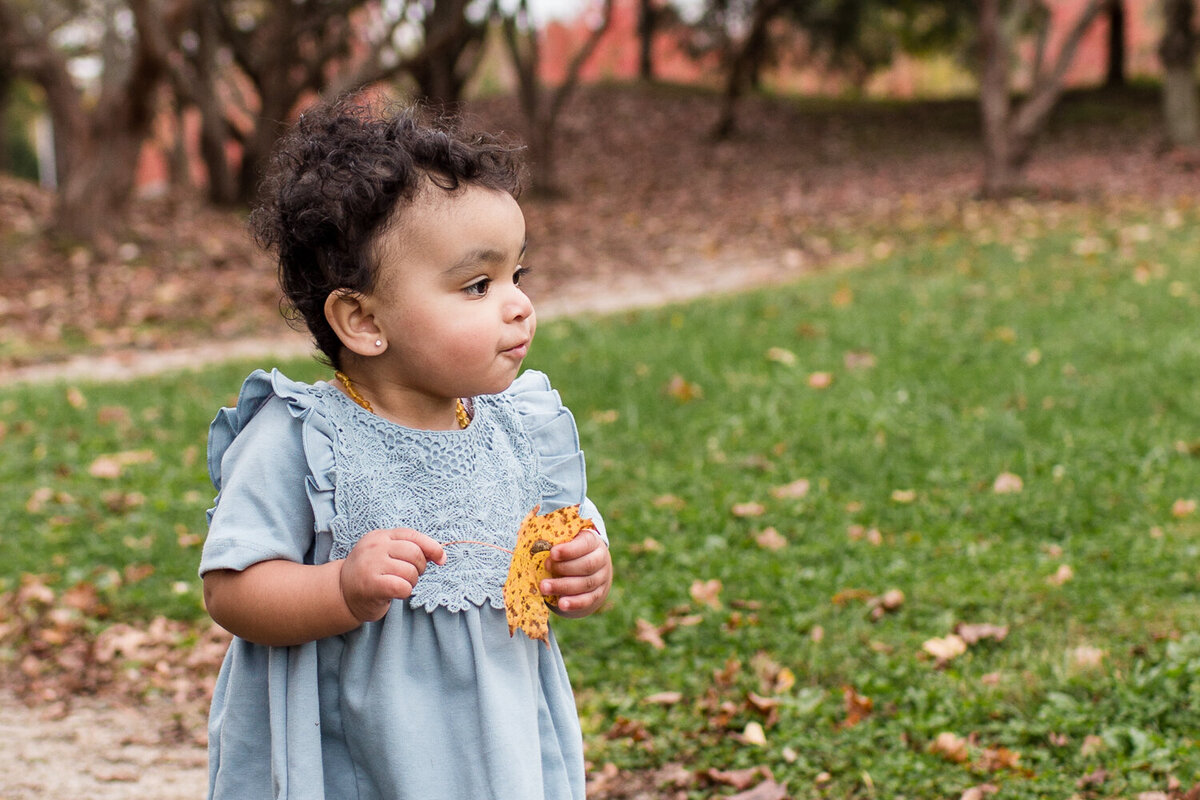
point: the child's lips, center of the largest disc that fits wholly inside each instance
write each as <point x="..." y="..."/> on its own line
<point x="519" y="350"/>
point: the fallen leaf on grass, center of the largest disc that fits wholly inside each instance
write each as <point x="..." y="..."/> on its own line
<point x="820" y="380"/>
<point x="904" y="495"/>
<point x="683" y="390"/>
<point x="707" y="593"/>
<point x="767" y="790"/>
<point x="770" y="539"/>
<point x="846" y="596"/>
<point x="796" y="489"/>
<point x="781" y="356"/>
<point x="119" y="502"/>
<point x="1096" y="777"/>
<point x="859" y="359"/>
<point x="625" y="728"/>
<point x="1062" y="575"/>
<point x="754" y="734"/>
<point x="1183" y="508"/>
<point x="112" y="465"/>
<point x="1008" y="483"/>
<point x="946" y="648"/>
<point x="772" y="677"/>
<point x="136" y="573"/>
<point x="748" y="509"/>
<point x="664" y="699"/>
<point x="971" y="633"/>
<point x="648" y="632"/>
<point x="38" y="499"/>
<point x="737" y="778"/>
<point x="669" y="501"/>
<point x="75" y="398"/>
<point x="889" y="601"/>
<point x="979" y="792"/>
<point x="858" y="707"/>
<point x="951" y="747"/>
<point x="653" y="634"/>
<point x="113" y="415"/>
<point x="995" y="759"/>
<point x="1087" y="657"/>
<point x="858" y="532"/>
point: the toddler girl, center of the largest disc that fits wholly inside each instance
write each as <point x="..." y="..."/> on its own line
<point x="358" y="545"/>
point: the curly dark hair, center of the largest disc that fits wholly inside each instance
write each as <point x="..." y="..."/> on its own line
<point x="341" y="176"/>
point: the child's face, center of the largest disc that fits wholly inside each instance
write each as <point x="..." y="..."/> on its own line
<point x="457" y="323"/>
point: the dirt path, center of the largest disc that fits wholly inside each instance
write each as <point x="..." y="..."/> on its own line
<point x="98" y="751"/>
<point x="575" y="296"/>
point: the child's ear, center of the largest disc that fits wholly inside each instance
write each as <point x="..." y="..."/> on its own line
<point x="353" y="323"/>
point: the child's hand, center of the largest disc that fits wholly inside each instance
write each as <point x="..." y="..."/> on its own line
<point x="384" y="566"/>
<point x="582" y="570"/>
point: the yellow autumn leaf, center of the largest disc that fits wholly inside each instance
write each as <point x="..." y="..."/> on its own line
<point x="524" y="605"/>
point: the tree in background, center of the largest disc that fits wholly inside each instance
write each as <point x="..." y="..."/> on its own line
<point x="454" y="45"/>
<point x="1011" y="126"/>
<point x="1115" y="75"/>
<point x="852" y="37"/>
<point x="248" y="67"/>
<point x="101" y="121"/>
<point x="1177" y="50"/>
<point x="542" y="106"/>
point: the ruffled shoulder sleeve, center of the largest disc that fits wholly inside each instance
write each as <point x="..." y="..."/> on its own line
<point x="555" y="437"/>
<point x="271" y="459"/>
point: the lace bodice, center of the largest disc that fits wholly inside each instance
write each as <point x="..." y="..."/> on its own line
<point x="470" y="487"/>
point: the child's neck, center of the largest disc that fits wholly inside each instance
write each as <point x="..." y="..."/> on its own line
<point x="397" y="402"/>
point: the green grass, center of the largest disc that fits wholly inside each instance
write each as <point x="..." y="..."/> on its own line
<point x="1055" y="343"/>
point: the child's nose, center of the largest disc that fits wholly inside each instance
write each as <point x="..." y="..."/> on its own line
<point x="518" y="306"/>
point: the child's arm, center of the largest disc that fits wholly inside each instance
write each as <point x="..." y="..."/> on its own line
<point x="281" y="603"/>
<point x="582" y="570"/>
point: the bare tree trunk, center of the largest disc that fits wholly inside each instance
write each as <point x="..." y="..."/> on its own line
<point x="1116" y="44"/>
<point x="1177" y="50"/>
<point x="5" y="100"/>
<point x="646" y="28"/>
<point x="744" y="66"/>
<point x="1010" y="130"/>
<point x="994" y="100"/>
<point x="540" y="108"/>
<point x="450" y="39"/>
<point x="97" y="144"/>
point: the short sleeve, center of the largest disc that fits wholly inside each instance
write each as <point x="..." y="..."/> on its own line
<point x="262" y="510"/>
<point x="551" y="427"/>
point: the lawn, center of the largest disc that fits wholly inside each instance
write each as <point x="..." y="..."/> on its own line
<point x="899" y="531"/>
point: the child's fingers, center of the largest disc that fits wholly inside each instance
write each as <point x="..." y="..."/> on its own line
<point x="426" y="548"/>
<point x="587" y="541"/>
<point x="581" y="584"/>
<point x="574" y="560"/>
<point x="573" y="586"/>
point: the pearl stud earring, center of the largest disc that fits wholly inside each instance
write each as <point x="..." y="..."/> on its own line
<point x="379" y="342"/>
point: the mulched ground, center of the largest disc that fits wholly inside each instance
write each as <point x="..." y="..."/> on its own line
<point x="648" y="194"/>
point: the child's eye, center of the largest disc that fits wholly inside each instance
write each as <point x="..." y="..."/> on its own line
<point x="520" y="274"/>
<point x="479" y="288"/>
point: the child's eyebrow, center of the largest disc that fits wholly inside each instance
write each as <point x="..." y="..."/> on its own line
<point x="486" y="255"/>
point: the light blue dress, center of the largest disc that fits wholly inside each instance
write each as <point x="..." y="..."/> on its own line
<point x="436" y="701"/>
